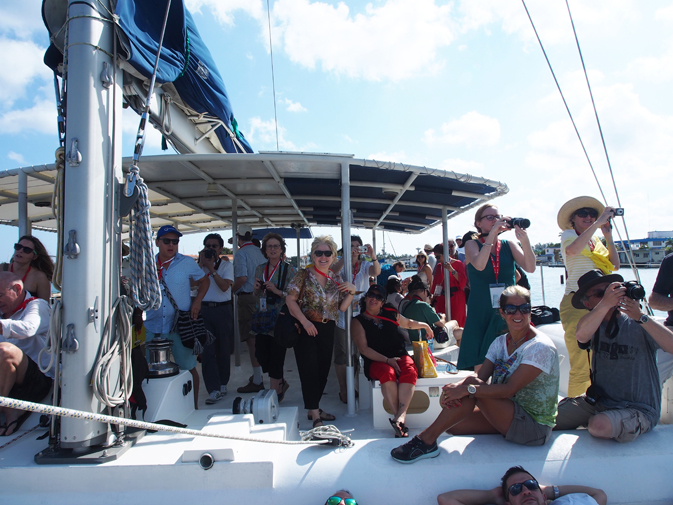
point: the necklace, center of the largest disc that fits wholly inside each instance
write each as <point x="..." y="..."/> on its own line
<point x="518" y="342"/>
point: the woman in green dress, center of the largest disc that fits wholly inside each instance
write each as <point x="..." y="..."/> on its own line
<point x="490" y="268"/>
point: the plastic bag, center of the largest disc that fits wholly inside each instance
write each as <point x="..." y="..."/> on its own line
<point x="423" y="360"/>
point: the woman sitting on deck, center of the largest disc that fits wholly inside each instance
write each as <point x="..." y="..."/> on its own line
<point x="375" y="334"/>
<point x="31" y="263"/>
<point x="520" y="403"/>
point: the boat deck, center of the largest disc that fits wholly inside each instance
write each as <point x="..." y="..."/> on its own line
<point x="153" y="471"/>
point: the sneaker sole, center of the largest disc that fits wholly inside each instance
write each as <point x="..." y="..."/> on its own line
<point x="427" y="455"/>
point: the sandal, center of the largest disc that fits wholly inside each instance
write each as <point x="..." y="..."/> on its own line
<point x="317" y="423"/>
<point x="404" y="429"/>
<point x="324" y="416"/>
<point x="401" y="431"/>
<point x="284" y="387"/>
<point x="16" y="424"/>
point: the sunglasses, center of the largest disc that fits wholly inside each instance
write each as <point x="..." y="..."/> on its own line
<point x="319" y="253"/>
<point x="597" y="294"/>
<point x="515" y="489"/>
<point x="207" y="246"/>
<point x="375" y="296"/>
<point x="27" y="250"/>
<point x="336" y="500"/>
<point x="511" y="309"/>
<point x="586" y="212"/>
<point x="174" y="241"/>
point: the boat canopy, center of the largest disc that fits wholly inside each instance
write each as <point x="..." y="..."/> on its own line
<point x="187" y="72"/>
<point x="198" y="192"/>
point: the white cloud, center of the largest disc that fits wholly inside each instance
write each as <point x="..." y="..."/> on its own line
<point x="293" y="106"/>
<point x="462" y="166"/>
<point x="263" y="133"/>
<point x="224" y="9"/>
<point x="392" y="40"/>
<point x="471" y="129"/>
<point x="21" y="18"/>
<point x="665" y="13"/>
<point x="22" y="62"/>
<point x="41" y="117"/>
<point x="652" y="68"/>
<point x="398" y="157"/>
<point x="130" y="122"/>
<point x="16" y="157"/>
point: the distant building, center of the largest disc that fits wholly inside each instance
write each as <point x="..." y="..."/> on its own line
<point x="650" y="250"/>
<point x="551" y="255"/>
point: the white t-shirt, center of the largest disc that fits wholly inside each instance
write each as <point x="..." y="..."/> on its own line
<point x="575" y="499"/>
<point x="215" y="294"/>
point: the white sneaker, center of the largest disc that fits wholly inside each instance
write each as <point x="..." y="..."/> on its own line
<point x="213" y="397"/>
<point x="223" y="390"/>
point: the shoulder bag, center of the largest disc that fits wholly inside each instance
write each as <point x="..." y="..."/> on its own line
<point x="287" y="329"/>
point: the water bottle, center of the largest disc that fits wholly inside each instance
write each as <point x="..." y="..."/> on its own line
<point x="431" y="345"/>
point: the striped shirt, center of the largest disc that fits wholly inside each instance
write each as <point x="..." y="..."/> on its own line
<point x="576" y="266"/>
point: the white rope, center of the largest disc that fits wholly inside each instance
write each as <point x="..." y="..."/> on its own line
<point x="53" y="336"/>
<point x="11" y="403"/>
<point x="113" y="344"/>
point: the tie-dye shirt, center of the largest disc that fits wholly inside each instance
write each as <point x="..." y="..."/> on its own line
<point x="539" y="398"/>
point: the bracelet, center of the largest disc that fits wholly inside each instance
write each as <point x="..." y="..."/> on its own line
<point x="374" y="259"/>
<point x="489" y="245"/>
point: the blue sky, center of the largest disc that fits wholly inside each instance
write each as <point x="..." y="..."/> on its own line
<point x="458" y="85"/>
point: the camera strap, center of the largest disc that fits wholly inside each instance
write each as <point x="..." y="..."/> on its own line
<point x="611" y="331"/>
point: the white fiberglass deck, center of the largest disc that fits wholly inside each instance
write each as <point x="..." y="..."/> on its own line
<point x="153" y="471"/>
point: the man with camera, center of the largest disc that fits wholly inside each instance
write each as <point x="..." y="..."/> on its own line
<point x="218" y="316"/>
<point x="661" y="298"/>
<point x="624" y="399"/>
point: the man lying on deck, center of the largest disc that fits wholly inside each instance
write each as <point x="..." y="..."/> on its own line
<point x="518" y="486"/>
<point x="24" y="327"/>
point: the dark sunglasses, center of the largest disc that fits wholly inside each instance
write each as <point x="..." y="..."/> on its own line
<point x="375" y="296"/>
<point x="598" y="294"/>
<point x="207" y="246"/>
<point x="174" y="241"/>
<point x="27" y="250"/>
<point x="319" y="253"/>
<point x="336" y="500"/>
<point x="515" y="489"/>
<point x="511" y="309"/>
<point x="587" y="212"/>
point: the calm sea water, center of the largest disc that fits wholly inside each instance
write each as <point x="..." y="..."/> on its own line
<point x="553" y="289"/>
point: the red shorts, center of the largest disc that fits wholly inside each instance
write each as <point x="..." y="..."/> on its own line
<point x="383" y="372"/>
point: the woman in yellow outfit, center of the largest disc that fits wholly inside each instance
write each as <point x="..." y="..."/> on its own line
<point x="582" y="251"/>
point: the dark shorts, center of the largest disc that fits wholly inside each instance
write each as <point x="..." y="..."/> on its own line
<point x="35" y="385"/>
<point x="524" y="430"/>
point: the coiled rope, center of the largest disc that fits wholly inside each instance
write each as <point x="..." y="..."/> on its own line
<point x="327" y="434"/>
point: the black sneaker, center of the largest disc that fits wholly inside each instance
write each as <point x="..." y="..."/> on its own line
<point x="414" y="450"/>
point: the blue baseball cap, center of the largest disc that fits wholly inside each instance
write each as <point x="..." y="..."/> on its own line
<point x="167" y="229"/>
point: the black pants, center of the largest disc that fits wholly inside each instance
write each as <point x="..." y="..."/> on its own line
<point x="216" y="360"/>
<point x="270" y="355"/>
<point x="314" y="358"/>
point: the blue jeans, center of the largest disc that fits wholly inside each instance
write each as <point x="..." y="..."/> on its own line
<point x="215" y="360"/>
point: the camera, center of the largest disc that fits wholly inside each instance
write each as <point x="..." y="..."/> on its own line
<point x="362" y="248"/>
<point x="634" y="290"/>
<point x="619" y="212"/>
<point x="594" y="394"/>
<point x="521" y="222"/>
<point x="208" y="253"/>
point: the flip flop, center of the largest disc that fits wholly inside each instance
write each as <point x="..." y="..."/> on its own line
<point x="16" y="424"/>
<point x="404" y="429"/>
<point x="317" y="423"/>
<point x="396" y="427"/>
<point x="284" y="389"/>
<point x="323" y="416"/>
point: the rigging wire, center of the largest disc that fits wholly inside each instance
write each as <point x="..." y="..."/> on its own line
<point x="273" y="76"/>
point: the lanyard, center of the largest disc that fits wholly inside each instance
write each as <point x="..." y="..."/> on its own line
<point x="22" y="306"/>
<point x="160" y="265"/>
<point x="11" y="269"/>
<point x="328" y="277"/>
<point x="357" y="269"/>
<point x="245" y="245"/>
<point x="416" y="297"/>
<point x="382" y="318"/>
<point x="266" y="275"/>
<point x="496" y="263"/>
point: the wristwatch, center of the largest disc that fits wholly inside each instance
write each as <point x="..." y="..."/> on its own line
<point x="643" y="319"/>
<point x="472" y="389"/>
<point x="557" y="493"/>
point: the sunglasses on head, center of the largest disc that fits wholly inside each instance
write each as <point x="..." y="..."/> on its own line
<point x="319" y="253"/>
<point x="516" y="489"/>
<point x="27" y="250"/>
<point x="174" y="241"/>
<point x="375" y="296"/>
<point x="587" y="212"/>
<point x="511" y="309"/>
<point x="336" y="500"/>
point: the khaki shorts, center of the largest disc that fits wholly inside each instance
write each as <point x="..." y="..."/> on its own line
<point x="627" y="424"/>
<point x="247" y="306"/>
<point x="524" y="430"/>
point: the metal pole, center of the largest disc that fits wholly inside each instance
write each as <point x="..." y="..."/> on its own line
<point x="23" y="204"/>
<point x="447" y="281"/>
<point x="348" y="272"/>
<point x="374" y="239"/>
<point x="544" y="302"/>
<point x="234" y="248"/>
<point x="298" y="246"/>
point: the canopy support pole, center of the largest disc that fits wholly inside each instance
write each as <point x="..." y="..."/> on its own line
<point x="234" y="248"/>
<point x="447" y="281"/>
<point x="348" y="273"/>
<point x="24" y="222"/>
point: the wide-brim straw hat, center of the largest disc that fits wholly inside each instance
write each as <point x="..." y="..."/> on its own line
<point x="569" y="208"/>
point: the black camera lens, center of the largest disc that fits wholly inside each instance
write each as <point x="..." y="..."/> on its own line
<point x="634" y="290"/>
<point x="209" y="253"/>
<point x="521" y="222"/>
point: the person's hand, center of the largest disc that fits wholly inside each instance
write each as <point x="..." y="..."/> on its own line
<point x="196" y="308"/>
<point x="452" y="393"/>
<point x="605" y="217"/>
<point x="614" y="294"/>
<point x="392" y="362"/>
<point x="310" y="328"/>
<point x="630" y="307"/>
<point x="429" y="332"/>
<point x="606" y="229"/>
<point x="521" y="234"/>
<point x="258" y="284"/>
<point x="499" y="226"/>
<point x="347" y="287"/>
<point x="370" y="252"/>
<point x="498" y="496"/>
<point x="270" y="286"/>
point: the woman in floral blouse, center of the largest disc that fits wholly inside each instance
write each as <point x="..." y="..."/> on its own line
<point x="321" y="294"/>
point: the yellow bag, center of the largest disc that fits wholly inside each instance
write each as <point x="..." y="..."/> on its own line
<point x="424" y="365"/>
